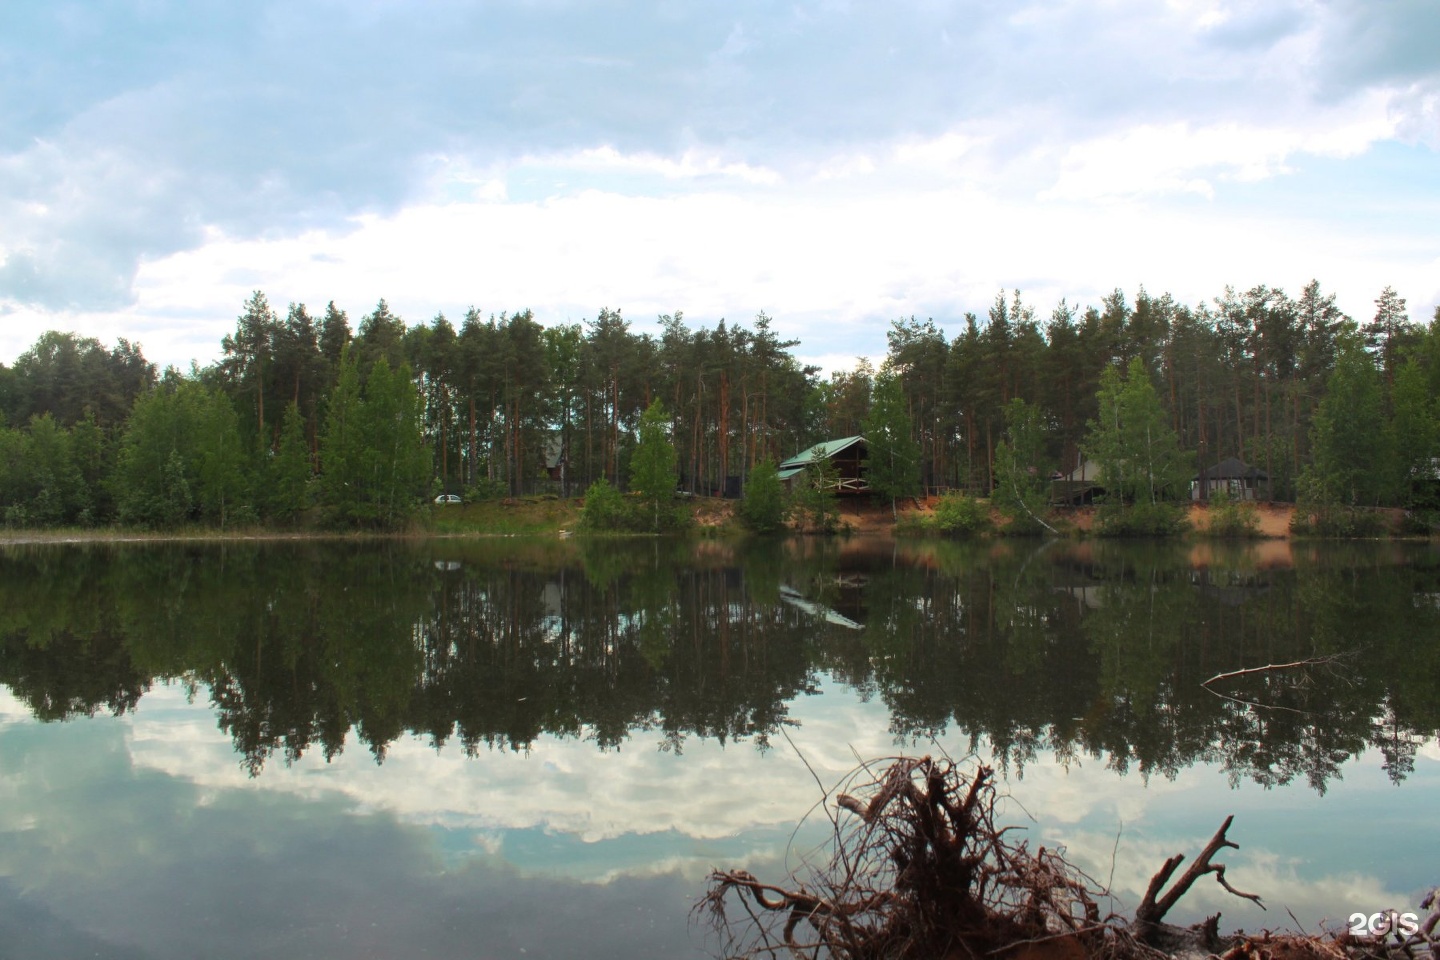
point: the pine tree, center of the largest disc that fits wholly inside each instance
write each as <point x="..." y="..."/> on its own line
<point x="248" y="354"/>
<point x="1351" y="452"/>
<point x="894" y="456"/>
<point x="290" y="472"/>
<point x="1414" y="436"/>
<point x="342" y="443"/>
<point x="395" y="465"/>
<point x="220" y="458"/>
<point x="1389" y="332"/>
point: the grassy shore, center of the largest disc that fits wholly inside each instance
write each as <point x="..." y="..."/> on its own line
<point x="551" y="517"/>
<point x="529" y="516"/>
<point x="521" y="516"/>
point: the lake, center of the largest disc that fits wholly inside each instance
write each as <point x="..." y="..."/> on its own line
<point x="509" y="748"/>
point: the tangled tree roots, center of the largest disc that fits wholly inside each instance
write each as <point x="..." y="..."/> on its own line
<point x="917" y="869"/>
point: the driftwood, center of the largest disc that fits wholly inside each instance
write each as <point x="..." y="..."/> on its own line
<point x="916" y="868"/>
<point x="1151" y="910"/>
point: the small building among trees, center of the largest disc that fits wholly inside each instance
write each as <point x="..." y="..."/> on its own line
<point x="1080" y="487"/>
<point x="845" y="461"/>
<point x="1235" y="477"/>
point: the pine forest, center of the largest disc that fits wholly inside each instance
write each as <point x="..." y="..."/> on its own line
<point x="306" y="420"/>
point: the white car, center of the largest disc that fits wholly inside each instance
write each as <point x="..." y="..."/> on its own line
<point x="448" y="498"/>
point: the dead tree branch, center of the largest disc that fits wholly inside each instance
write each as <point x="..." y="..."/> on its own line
<point x="916" y="868"/>
<point x="1154" y="905"/>
<point x="1268" y="668"/>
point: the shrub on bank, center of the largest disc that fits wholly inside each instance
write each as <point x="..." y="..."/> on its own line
<point x="1232" y="518"/>
<point x="764" y="509"/>
<point x="1141" y="520"/>
<point x="1343" y="523"/>
<point x="605" y="508"/>
<point x="957" y="515"/>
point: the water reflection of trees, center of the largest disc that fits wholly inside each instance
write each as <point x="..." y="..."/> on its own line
<point x="1074" y="650"/>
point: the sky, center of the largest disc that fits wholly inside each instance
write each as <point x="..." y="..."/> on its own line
<point x="834" y="165"/>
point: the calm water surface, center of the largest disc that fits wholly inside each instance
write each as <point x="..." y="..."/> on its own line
<point x="508" y="749"/>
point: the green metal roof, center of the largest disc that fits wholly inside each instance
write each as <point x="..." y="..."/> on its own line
<point x="820" y="451"/>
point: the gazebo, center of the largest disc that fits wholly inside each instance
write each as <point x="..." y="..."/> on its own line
<point x="1234" y="476"/>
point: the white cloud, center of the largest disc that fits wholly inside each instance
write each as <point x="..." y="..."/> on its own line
<point x="833" y="267"/>
<point x="722" y="163"/>
<point x="1181" y="158"/>
<point x="1204" y="13"/>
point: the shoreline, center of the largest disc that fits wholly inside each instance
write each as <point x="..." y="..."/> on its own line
<point x="512" y="519"/>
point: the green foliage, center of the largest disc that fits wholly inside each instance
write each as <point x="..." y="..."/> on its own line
<point x="395" y="460"/>
<point x="72" y="378"/>
<point x="1286" y="383"/>
<point x="290" y="470"/>
<point x="893" y="469"/>
<point x="1022" y="471"/>
<point x="1231" y="519"/>
<point x="1318" y="513"/>
<point x="1132" y="442"/>
<point x="488" y="489"/>
<point x="180" y="459"/>
<point x="220" y="462"/>
<point x="1413" y="438"/>
<point x="47" y="485"/>
<point x="1141" y="520"/>
<point x="375" y="466"/>
<point x="342" y="443"/>
<point x="1352" y="462"/>
<point x="764" y="509"/>
<point x="1338" y="522"/>
<point x="652" y="470"/>
<point x="149" y="484"/>
<point x="814" y="504"/>
<point x="957" y="515"/>
<point x="606" y="508"/>
<point x="168" y="502"/>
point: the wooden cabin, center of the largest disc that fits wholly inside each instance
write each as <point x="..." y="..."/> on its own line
<point x="848" y="457"/>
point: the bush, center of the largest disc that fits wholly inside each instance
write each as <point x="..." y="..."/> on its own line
<point x="1141" y="520"/>
<point x="487" y="489"/>
<point x="1421" y="523"/>
<point x="606" y="508"/>
<point x="957" y="515"/>
<point x="764" y="509"/>
<point x="1232" y="519"/>
<point x="1341" y="523"/>
<point x="1024" y="525"/>
<point x="914" y="524"/>
<point x="1319" y="513"/>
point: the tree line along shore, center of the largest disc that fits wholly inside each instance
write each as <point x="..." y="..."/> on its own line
<point x="304" y="422"/>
